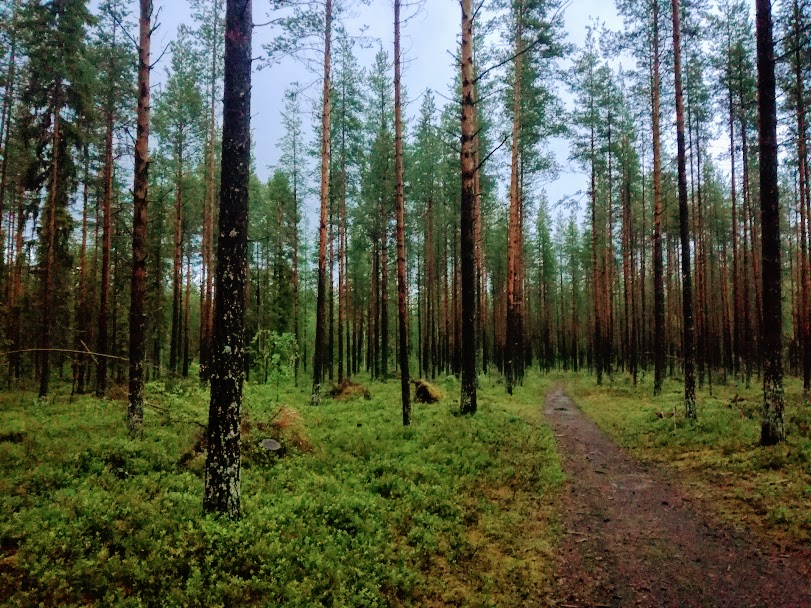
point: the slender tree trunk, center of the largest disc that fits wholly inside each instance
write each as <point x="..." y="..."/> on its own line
<point x="513" y="231"/>
<point x="658" y="266"/>
<point x="102" y="347"/>
<point x="222" y="490"/>
<point x="177" y="274"/>
<point x="50" y="247"/>
<point x="399" y="204"/>
<point x="772" y="428"/>
<point x="321" y="311"/>
<point x="596" y="348"/>
<point x="688" y="339"/>
<point x="5" y="129"/>
<point x="295" y="278"/>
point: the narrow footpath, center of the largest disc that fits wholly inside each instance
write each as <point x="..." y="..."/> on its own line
<point x="632" y="538"/>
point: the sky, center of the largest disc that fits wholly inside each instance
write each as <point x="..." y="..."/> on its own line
<point x="429" y="37"/>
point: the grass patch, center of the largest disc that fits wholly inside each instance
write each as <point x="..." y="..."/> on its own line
<point x="357" y="512"/>
<point x="718" y="456"/>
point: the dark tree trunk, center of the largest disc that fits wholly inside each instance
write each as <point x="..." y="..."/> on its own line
<point x="658" y="265"/>
<point x="102" y="347"/>
<point x="688" y="338"/>
<point x="772" y="428"/>
<point x="222" y="491"/>
<point x="139" y="228"/>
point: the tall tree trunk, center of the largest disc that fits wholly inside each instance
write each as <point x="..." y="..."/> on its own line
<point x="186" y="318"/>
<point x="469" y="211"/>
<point x="802" y="165"/>
<point x="772" y="428"/>
<point x="688" y="338"/>
<point x="513" y="231"/>
<point x="321" y="311"/>
<point x="137" y="350"/>
<point x="177" y="273"/>
<point x="5" y="129"/>
<point x="222" y="490"/>
<point x="596" y="348"/>
<point x="50" y="248"/>
<point x="296" y="314"/>
<point x="399" y="204"/>
<point x="82" y="316"/>
<point x="102" y="347"/>
<point x="658" y="265"/>
<point x="207" y="282"/>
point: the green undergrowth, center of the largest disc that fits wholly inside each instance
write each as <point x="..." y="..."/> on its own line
<point x="718" y="455"/>
<point x="358" y="511"/>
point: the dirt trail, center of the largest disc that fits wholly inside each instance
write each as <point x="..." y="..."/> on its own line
<point x="631" y="538"/>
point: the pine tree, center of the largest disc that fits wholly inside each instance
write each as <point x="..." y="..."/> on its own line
<point x="137" y="338"/>
<point x="772" y="428"/>
<point x="56" y="96"/>
<point x="222" y="491"/>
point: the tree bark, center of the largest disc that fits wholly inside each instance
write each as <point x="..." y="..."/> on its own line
<point x="512" y="351"/>
<point x="321" y="302"/>
<point x="399" y="203"/>
<point x="469" y="205"/>
<point x="772" y="426"/>
<point x="688" y="336"/>
<point x="222" y="490"/>
<point x="658" y="266"/>
<point x="137" y="351"/>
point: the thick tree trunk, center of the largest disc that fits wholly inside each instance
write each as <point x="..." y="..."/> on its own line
<point x="137" y="350"/>
<point x="772" y="428"/>
<point x="688" y="337"/>
<point x="222" y="490"/>
<point x="469" y="206"/>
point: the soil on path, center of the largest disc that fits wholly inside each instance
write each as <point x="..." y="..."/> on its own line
<point x="632" y="538"/>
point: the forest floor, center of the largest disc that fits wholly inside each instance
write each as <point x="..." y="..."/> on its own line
<point x="633" y="537"/>
<point x="357" y="511"/>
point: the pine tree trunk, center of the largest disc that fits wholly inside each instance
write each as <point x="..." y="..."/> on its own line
<point x="222" y="490"/>
<point x="50" y="246"/>
<point x="513" y="230"/>
<point x="137" y="348"/>
<point x="321" y="311"/>
<point x="5" y="129"/>
<point x="658" y="266"/>
<point x="399" y="204"/>
<point x="772" y="428"/>
<point x="469" y="212"/>
<point x="177" y="273"/>
<point x="102" y="347"/>
<point x="688" y="338"/>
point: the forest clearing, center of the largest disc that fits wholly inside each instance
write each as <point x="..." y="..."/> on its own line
<point x="292" y="313"/>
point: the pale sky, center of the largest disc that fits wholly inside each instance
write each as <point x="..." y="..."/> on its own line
<point x="428" y="39"/>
